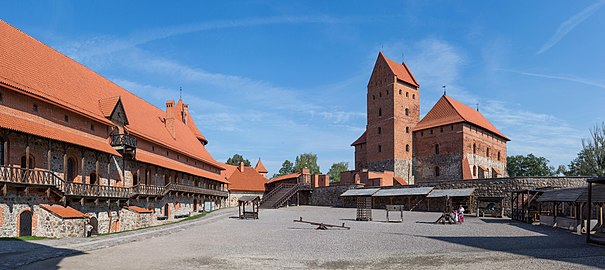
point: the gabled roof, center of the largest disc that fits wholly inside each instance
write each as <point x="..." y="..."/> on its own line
<point x="248" y="180"/>
<point x="360" y="140"/>
<point x="400" y="180"/>
<point x="449" y="111"/>
<point x="190" y="123"/>
<point x="260" y="167"/>
<point x="139" y="209"/>
<point x="284" y="177"/>
<point x="400" y="70"/>
<point x="31" y="67"/>
<point x="107" y="105"/>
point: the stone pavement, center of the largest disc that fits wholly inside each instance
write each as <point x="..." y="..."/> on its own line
<point x="17" y="253"/>
<point x="275" y="242"/>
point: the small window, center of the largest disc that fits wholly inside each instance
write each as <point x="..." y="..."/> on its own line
<point x="431" y="131"/>
<point x="379" y="130"/>
<point x="407" y="94"/>
<point x="452" y="127"/>
<point x="400" y="91"/>
<point x="407" y="129"/>
<point x="92" y="127"/>
<point x="387" y="92"/>
<point x="436" y="149"/>
<point x="373" y="97"/>
<point x="441" y="129"/>
<point x="2" y="97"/>
<point x="436" y="171"/>
<point x="166" y="153"/>
<point x="407" y="112"/>
<point x="66" y="118"/>
<point x="498" y="156"/>
<point x="421" y="133"/>
<point x="474" y="148"/>
<point x="379" y="148"/>
<point x="379" y="111"/>
<point x="413" y="96"/>
<point x="407" y="148"/>
<point x="475" y="170"/>
<point x="487" y="152"/>
<point x="152" y="148"/>
<point x="35" y="107"/>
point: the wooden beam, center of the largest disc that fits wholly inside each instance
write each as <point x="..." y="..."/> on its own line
<point x="82" y="201"/>
<point x="48" y="192"/>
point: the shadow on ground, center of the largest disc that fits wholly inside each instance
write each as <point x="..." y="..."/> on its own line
<point x="16" y="253"/>
<point x="551" y="244"/>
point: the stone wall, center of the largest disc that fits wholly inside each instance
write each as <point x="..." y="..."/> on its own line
<point x="235" y="195"/>
<point x="132" y="220"/>
<point x="53" y="226"/>
<point x="11" y="206"/>
<point x="330" y="196"/>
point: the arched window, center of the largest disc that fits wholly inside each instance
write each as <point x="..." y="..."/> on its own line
<point x="474" y="148"/>
<point x="407" y="112"/>
<point x="407" y="129"/>
<point x="436" y="170"/>
<point x="487" y="152"/>
<point x="407" y="148"/>
<point x="436" y="149"/>
<point x="400" y="91"/>
<point x="379" y="111"/>
<point x="70" y="170"/>
<point x="475" y="170"/>
<point x="413" y="96"/>
<point x="407" y="94"/>
<point x="498" y="155"/>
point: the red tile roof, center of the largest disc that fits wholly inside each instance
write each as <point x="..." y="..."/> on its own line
<point x="260" y="167"/>
<point x="168" y="163"/>
<point x="449" y="111"/>
<point x="400" y="70"/>
<point x="284" y="177"/>
<point x="63" y="212"/>
<point x="107" y="105"/>
<point x="466" y="169"/>
<point x="360" y="140"/>
<point x="139" y="210"/>
<point x="39" y="71"/>
<point x="248" y="180"/>
<point x="18" y="120"/>
<point x="496" y="170"/>
<point x="192" y="126"/>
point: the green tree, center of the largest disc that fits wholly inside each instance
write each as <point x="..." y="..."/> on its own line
<point x="336" y="169"/>
<point x="529" y="165"/>
<point x="286" y="168"/>
<point x="306" y="160"/>
<point x="236" y="159"/>
<point x="590" y="161"/>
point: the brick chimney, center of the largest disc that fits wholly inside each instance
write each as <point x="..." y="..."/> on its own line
<point x="185" y="112"/>
<point x="241" y="166"/>
<point x="170" y="118"/>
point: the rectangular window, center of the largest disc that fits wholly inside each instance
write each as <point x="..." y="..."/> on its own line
<point x="379" y="148"/>
<point x="66" y="118"/>
<point x="35" y="107"/>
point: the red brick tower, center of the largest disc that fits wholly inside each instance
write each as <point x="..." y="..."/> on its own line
<point x="393" y="110"/>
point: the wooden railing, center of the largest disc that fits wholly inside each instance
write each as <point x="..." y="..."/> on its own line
<point x="293" y="190"/>
<point x="147" y="190"/>
<point x="275" y="190"/>
<point x="29" y="176"/>
<point x="87" y="190"/>
<point x="123" y="140"/>
<point x="197" y="190"/>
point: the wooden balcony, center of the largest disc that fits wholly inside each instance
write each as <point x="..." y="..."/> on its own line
<point x="195" y="190"/>
<point x="147" y="190"/>
<point x="23" y="176"/>
<point x="96" y="191"/>
<point x="123" y="143"/>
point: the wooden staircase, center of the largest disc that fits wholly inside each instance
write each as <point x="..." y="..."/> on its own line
<point x="280" y="195"/>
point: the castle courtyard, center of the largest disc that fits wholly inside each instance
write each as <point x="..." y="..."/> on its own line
<point x="274" y="241"/>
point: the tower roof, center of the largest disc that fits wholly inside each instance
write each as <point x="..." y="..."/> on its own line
<point x="360" y="140"/>
<point x="449" y="111"/>
<point x="400" y="70"/>
<point x="191" y="124"/>
<point x="260" y="167"/>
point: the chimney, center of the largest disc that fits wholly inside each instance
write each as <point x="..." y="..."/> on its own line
<point x="170" y="118"/>
<point x="241" y="166"/>
<point x="185" y="112"/>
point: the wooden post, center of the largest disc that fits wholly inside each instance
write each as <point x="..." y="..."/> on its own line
<point x="97" y="172"/>
<point x="49" y="155"/>
<point x="27" y="153"/>
<point x="83" y="165"/>
<point x="5" y="137"/>
<point x="108" y="170"/>
<point x="588" y="240"/>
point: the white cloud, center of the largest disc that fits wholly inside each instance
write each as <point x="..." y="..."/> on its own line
<point x="571" y="23"/>
<point x="569" y="78"/>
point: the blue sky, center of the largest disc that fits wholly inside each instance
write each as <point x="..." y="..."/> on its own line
<point x="274" y="79"/>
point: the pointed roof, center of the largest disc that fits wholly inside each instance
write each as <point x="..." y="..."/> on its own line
<point x="260" y="167"/>
<point x="360" y="140"/>
<point x="400" y="70"/>
<point x="449" y="111"/>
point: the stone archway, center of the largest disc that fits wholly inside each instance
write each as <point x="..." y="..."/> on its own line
<point x="25" y="223"/>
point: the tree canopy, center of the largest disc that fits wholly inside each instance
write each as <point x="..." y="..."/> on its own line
<point x="590" y="161"/>
<point x="236" y="159"/>
<point x="529" y="165"/>
<point x="286" y="168"/>
<point x="306" y="160"/>
<point x="336" y="169"/>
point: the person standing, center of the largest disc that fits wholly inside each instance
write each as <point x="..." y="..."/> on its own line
<point x="461" y="214"/>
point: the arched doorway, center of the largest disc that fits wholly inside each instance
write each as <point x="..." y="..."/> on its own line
<point x="24" y="162"/>
<point x="92" y="178"/>
<point x="166" y="210"/>
<point x="25" y="223"/>
<point x="70" y="169"/>
<point x="94" y="222"/>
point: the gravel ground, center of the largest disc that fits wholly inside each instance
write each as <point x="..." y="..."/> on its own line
<point x="274" y="241"/>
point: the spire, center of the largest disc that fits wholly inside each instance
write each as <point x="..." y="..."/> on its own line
<point x="180" y="93"/>
<point x="444" y="91"/>
<point x="260" y="167"/>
